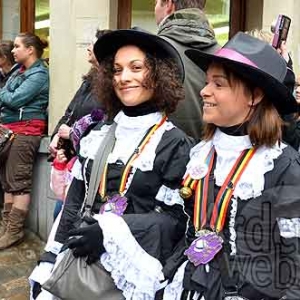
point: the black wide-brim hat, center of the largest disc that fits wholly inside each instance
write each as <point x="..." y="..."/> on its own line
<point x="111" y="42"/>
<point x="257" y="62"/>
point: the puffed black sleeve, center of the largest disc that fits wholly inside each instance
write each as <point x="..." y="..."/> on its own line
<point x="286" y="197"/>
<point x="157" y="231"/>
<point x="72" y="205"/>
<point x="172" y="156"/>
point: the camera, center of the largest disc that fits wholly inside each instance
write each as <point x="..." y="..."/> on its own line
<point x="280" y="30"/>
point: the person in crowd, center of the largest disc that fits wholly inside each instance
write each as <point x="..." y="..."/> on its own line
<point x="23" y="103"/>
<point x="290" y="129"/>
<point x="184" y="24"/>
<point x="7" y="61"/>
<point x="83" y="103"/>
<point x="61" y="169"/>
<point x="297" y="89"/>
<point x="61" y="176"/>
<point x="243" y="181"/>
<point x="295" y="135"/>
<point x="140" y="83"/>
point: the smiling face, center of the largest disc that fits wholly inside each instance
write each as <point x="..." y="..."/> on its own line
<point x="226" y="102"/>
<point x="130" y="72"/>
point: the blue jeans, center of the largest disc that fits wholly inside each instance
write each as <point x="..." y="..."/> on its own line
<point x="57" y="209"/>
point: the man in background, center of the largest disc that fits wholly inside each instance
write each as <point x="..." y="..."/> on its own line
<point x="184" y="24"/>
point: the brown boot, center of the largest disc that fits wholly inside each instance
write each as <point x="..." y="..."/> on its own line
<point x="14" y="231"/>
<point x="5" y="215"/>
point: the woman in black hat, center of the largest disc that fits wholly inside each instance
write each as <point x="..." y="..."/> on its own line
<point x="243" y="181"/>
<point x="140" y="80"/>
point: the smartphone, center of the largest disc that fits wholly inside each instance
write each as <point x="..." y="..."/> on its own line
<point x="280" y="30"/>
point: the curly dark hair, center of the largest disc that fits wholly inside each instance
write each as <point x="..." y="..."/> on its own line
<point x="163" y="77"/>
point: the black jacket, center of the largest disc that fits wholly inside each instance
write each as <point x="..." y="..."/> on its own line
<point x="82" y="104"/>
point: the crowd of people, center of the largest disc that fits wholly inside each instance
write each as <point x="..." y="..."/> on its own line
<point x="198" y="194"/>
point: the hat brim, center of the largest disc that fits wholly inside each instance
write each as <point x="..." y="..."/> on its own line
<point x="109" y="44"/>
<point x="275" y="90"/>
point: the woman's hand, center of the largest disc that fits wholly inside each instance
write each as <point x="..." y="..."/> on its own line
<point x="90" y="243"/>
<point x="64" y="131"/>
<point x="283" y="51"/>
<point x="53" y="145"/>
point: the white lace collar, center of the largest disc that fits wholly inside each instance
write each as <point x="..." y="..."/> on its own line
<point x="129" y="132"/>
<point x="228" y="149"/>
<point x="145" y="122"/>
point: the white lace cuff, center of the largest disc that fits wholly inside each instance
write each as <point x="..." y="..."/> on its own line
<point x="41" y="273"/>
<point x="169" y="196"/>
<point x="289" y="228"/>
<point x="52" y="245"/>
<point x="133" y="270"/>
<point x="174" y="290"/>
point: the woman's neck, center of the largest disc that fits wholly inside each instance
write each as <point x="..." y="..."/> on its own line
<point x="142" y="109"/>
<point x="235" y="130"/>
<point x="29" y="62"/>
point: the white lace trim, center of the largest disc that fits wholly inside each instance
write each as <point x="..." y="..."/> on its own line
<point x="129" y="133"/>
<point x="89" y="146"/>
<point x="145" y="121"/>
<point x="174" y="289"/>
<point x="133" y="270"/>
<point x="77" y="170"/>
<point x="232" y="232"/>
<point x="145" y="161"/>
<point x="52" y="245"/>
<point x="43" y="271"/>
<point x="228" y="148"/>
<point x="169" y="196"/>
<point x="289" y="228"/>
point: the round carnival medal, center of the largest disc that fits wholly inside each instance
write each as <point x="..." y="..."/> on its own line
<point x="198" y="171"/>
<point x="204" y="248"/>
<point x="186" y="192"/>
<point x="116" y="204"/>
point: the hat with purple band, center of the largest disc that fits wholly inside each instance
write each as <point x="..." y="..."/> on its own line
<point x="257" y="62"/>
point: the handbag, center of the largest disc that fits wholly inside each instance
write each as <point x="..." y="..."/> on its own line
<point x="73" y="278"/>
<point x="6" y="138"/>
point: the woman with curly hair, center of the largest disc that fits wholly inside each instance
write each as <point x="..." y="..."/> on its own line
<point x="140" y="83"/>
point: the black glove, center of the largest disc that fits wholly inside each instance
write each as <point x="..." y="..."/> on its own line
<point x="90" y="243"/>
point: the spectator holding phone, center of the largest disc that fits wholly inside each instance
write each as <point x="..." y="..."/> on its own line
<point x="290" y="129"/>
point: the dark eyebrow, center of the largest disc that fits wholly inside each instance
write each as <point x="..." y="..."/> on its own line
<point x="132" y="61"/>
<point x="220" y="76"/>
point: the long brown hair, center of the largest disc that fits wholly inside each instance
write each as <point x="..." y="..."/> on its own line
<point x="263" y="122"/>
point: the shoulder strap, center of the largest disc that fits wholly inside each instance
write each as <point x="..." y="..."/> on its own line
<point x="98" y="165"/>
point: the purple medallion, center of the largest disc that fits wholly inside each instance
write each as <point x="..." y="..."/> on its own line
<point x="204" y="248"/>
<point x="115" y="204"/>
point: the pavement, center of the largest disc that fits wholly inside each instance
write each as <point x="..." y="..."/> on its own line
<point x="16" y="264"/>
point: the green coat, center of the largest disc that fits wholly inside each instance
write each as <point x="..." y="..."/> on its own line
<point x="189" y="29"/>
